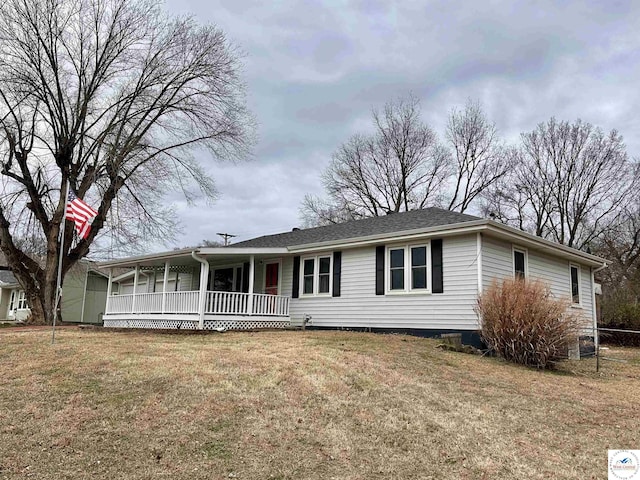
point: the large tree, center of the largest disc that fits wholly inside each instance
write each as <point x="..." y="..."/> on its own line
<point x="108" y="98"/>
<point x="403" y="166"/>
<point x="620" y="244"/>
<point x="399" y="167"/>
<point x="570" y="184"/>
<point x="480" y="158"/>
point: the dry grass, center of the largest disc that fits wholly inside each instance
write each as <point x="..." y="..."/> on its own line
<point x="294" y="405"/>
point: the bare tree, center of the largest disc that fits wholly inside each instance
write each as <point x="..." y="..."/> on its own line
<point x="570" y="184"/>
<point x="399" y="167"/>
<point x="620" y="243"/>
<point x="479" y="158"/>
<point x="108" y="97"/>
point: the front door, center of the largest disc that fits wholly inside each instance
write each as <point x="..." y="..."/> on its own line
<point x="271" y="275"/>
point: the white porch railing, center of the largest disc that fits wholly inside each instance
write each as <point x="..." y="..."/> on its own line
<point x="216" y="303"/>
<point x="181" y="302"/>
<point x="275" y="305"/>
<point x="233" y="303"/>
<point x="120" y="304"/>
<point x="148" y="303"/>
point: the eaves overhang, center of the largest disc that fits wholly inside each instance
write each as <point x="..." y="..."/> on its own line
<point x="488" y="226"/>
<point x="186" y="254"/>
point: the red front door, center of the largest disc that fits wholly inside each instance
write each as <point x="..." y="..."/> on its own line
<point x="271" y="278"/>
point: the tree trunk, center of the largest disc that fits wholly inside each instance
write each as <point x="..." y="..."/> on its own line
<point x="42" y="302"/>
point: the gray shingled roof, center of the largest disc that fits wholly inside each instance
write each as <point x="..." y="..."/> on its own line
<point x="6" y="277"/>
<point x="397" y="222"/>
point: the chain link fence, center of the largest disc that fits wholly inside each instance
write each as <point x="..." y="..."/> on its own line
<point x="604" y="353"/>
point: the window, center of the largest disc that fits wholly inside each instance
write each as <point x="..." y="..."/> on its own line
<point x="224" y="279"/>
<point x="418" y="268"/>
<point x="408" y="268"/>
<point x="307" y="278"/>
<point x="238" y="280"/>
<point x="18" y="300"/>
<point x="324" y="274"/>
<point x="396" y="267"/>
<point x="519" y="263"/>
<point x="316" y="275"/>
<point x="575" y="284"/>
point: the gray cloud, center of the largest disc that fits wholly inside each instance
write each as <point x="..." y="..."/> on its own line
<point x="315" y="70"/>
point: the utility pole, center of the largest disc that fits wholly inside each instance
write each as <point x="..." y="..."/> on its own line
<point x="226" y="237"/>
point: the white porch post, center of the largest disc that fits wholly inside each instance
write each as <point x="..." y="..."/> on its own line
<point x="164" y="285"/>
<point x="252" y="270"/>
<point x="135" y="288"/>
<point x="109" y="288"/>
<point x="204" y="277"/>
<point x="202" y="295"/>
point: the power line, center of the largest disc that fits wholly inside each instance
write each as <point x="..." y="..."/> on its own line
<point x="226" y="237"/>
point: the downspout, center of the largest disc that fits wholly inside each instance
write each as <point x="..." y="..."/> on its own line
<point x="204" y="276"/>
<point x="480" y="274"/>
<point x="594" y="312"/>
<point x="479" y="260"/>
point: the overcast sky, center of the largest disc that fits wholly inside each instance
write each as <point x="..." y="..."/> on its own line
<point x="314" y="71"/>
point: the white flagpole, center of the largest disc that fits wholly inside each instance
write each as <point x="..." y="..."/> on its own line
<point x="59" y="281"/>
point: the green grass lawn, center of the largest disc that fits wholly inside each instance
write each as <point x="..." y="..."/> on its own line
<point x="297" y="405"/>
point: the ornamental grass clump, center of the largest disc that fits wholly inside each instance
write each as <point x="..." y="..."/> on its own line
<point x="523" y="323"/>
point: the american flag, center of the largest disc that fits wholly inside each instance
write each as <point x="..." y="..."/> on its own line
<point x="81" y="213"/>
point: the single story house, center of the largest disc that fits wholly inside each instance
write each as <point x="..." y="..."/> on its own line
<point x="84" y="295"/>
<point x="419" y="271"/>
<point x="13" y="303"/>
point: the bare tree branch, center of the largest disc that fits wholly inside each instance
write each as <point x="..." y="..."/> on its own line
<point x="110" y="97"/>
<point x="399" y="167"/>
<point x="570" y="183"/>
<point x="480" y="160"/>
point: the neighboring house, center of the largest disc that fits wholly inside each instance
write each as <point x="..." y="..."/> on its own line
<point x="84" y="295"/>
<point x="13" y="303"/>
<point x="419" y="271"/>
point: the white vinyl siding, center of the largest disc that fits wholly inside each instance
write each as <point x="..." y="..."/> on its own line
<point x="359" y="306"/>
<point x="497" y="264"/>
<point x="186" y="282"/>
<point x="497" y="261"/>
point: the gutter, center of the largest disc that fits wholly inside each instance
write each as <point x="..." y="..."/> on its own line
<point x="473" y="226"/>
<point x="594" y="313"/>
<point x="153" y="257"/>
<point x="145" y="258"/>
<point x="510" y="231"/>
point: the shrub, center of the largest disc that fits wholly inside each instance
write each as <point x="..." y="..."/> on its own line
<point x="618" y="312"/>
<point x="523" y="323"/>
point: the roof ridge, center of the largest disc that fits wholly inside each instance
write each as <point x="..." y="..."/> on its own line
<point x="392" y="222"/>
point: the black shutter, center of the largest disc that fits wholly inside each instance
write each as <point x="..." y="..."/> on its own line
<point x="380" y="270"/>
<point x="245" y="277"/>
<point x="337" y="270"/>
<point x="436" y="266"/>
<point x="295" y="291"/>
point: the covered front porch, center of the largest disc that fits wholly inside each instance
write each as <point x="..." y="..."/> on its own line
<point x="198" y="289"/>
